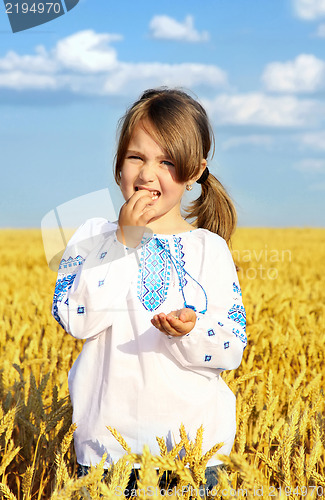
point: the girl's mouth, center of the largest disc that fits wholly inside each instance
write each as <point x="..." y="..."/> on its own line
<point x="154" y="193"/>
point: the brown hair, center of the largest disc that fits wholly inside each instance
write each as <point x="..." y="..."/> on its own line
<point x="181" y="127"/>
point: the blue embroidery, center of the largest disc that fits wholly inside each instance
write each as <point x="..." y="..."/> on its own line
<point x="236" y="289"/>
<point x="100" y="283"/>
<point x="240" y="335"/>
<point x="180" y="262"/>
<point x="238" y="314"/>
<point x="67" y="302"/>
<point x="80" y="310"/>
<point x="225" y="345"/>
<point x="220" y="324"/>
<point x="61" y="287"/>
<point x="102" y="255"/>
<point x="207" y="358"/>
<point x="211" y="332"/>
<point x="154" y="274"/>
<point x="56" y="315"/>
<point x="70" y="262"/>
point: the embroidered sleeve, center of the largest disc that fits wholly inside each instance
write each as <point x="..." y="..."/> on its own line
<point x="84" y="299"/>
<point x="219" y="337"/>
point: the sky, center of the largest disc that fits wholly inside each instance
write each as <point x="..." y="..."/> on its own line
<point x="258" y="67"/>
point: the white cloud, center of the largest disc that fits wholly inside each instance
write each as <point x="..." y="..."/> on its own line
<point x="39" y="63"/>
<point x="305" y="74"/>
<point x="167" y="28"/>
<point x="19" y="80"/>
<point x="320" y="31"/>
<point x="87" y="51"/>
<point x="309" y="9"/>
<point x="313" y="140"/>
<point x="250" y="140"/>
<point x="85" y="63"/>
<point x="311" y="165"/>
<point x="261" y="109"/>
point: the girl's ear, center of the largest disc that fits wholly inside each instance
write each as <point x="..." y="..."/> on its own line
<point x="203" y="167"/>
<point x="194" y="179"/>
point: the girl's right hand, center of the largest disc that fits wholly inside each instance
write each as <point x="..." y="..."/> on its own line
<point x="134" y="215"/>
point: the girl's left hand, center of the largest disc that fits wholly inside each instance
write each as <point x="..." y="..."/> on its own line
<point x="176" y="323"/>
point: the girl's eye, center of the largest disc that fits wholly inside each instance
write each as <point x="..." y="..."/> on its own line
<point x="134" y="157"/>
<point x="168" y="163"/>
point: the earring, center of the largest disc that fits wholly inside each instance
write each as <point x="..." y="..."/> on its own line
<point x="189" y="187"/>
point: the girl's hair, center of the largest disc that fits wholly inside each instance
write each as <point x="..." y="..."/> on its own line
<point x="179" y="124"/>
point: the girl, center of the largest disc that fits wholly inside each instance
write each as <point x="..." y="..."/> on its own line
<point x="156" y="298"/>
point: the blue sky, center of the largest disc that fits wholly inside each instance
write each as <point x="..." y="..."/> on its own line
<point x="257" y="66"/>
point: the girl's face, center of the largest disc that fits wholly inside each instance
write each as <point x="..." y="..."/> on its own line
<point x="148" y="166"/>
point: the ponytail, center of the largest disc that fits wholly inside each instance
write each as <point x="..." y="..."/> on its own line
<point x="214" y="209"/>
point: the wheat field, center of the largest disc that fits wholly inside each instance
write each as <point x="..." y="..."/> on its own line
<point x="279" y="447"/>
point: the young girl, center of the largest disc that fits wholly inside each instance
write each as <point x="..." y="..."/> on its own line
<point x="156" y="298"/>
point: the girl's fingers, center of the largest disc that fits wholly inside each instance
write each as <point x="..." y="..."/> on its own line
<point x="167" y="328"/>
<point x="156" y="322"/>
<point x="147" y="216"/>
<point x="137" y="211"/>
<point x="139" y="198"/>
<point x="128" y="208"/>
<point x="143" y="200"/>
<point x="177" y="325"/>
<point x="173" y="326"/>
<point x="144" y="213"/>
<point x="136" y="195"/>
<point x="159" y="321"/>
<point x="187" y="314"/>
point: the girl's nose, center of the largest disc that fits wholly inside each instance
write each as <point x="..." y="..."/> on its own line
<point x="147" y="172"/>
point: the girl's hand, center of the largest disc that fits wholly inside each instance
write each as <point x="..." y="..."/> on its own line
<point x="134" y="216"/>
<point x="176" y="323"/>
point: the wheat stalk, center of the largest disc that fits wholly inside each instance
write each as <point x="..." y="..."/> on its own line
<point x="119" y="439"/>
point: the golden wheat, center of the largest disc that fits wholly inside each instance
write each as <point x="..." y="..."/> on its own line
<point x="279" y="447"/>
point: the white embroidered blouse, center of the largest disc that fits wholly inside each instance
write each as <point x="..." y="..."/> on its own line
<point x="129" y="375"/>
